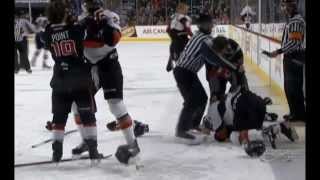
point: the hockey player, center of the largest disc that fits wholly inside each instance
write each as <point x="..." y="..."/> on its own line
<point x="71" y="79"/>
<point x="22" y="27"/>
<point x="239" y="117"/>
<point x="102" y="35"/>
<point x="219" y="76"/>
<point x="179" y="31"/>
<point x="41" y="23"/>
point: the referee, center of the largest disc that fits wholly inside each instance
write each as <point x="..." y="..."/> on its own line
<point x="293" y="48"/>
<point x="190" y="87"/>
<point x="21" y="28"/>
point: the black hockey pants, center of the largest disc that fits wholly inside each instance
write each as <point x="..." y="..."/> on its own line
<point x="194" y="96"/>
<point x="22" y="47"/>
<point x="293" y="86"/>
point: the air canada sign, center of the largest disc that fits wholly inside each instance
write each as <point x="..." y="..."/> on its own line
<point x="152" y="31"/>
<point x="160" y="31"/>
<point x="221" y="30"/>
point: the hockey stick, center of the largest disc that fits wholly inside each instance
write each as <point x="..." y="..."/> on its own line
<point x="51" y="162"/>
<point x="49" y="140"/>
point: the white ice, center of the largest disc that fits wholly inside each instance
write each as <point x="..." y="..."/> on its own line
<point x="151" y="96"/>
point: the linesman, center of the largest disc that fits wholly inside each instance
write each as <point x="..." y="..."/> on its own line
<point x="293" y="47"/>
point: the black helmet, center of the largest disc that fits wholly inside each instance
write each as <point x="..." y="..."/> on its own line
<point x="255" y="148"/>
<point x="203" y="18"/>
<point x="204" y="23"/>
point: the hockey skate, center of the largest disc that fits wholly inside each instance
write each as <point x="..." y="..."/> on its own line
<point x="289" y="132"/>
<point x="128" y="153"/>
<point x="94" y="155"/>
<point x="139" y="127"/>
<point x="57" y="151"/>
<point x="78" y="150"/>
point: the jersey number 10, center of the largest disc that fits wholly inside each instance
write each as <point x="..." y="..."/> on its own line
<point x="64" y="48"/>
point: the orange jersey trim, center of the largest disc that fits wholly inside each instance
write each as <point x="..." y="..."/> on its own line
<point x="116" y="37"/>
<point x="92" y="44"/>
<point x="295" y="36"/>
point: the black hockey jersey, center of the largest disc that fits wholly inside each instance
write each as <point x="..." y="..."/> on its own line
<point x="65" y="44"/>
<point x="240" y="110"/>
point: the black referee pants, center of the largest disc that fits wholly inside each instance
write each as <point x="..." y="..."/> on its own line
<point x="22" y="47"/>
<point x="293" y="86"/>
<point x="194" y="96"/>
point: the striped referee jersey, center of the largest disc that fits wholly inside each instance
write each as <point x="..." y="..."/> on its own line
<point x="191" y="57"/>
<point x="294" y="35"/>
<point x="22" y="27"/>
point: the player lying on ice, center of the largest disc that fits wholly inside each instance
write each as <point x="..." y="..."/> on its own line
<point x="238" y="116"/>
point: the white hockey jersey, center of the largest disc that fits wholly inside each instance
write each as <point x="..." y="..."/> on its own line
<point x="96" y="54"/>
<point x="228" y="116"/>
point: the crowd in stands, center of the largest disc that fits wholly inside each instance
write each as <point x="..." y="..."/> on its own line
<point x="158" y="12"/>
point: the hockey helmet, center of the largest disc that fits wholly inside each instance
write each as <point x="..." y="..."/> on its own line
<point x="204" y="23"/>
<point x="255" y="148"/>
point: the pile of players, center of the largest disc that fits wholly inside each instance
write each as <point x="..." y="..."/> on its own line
<point x="238" y="115"/>
<point x="85" y="60"/>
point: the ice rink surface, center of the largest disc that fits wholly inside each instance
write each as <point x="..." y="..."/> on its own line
<point x="152" y="97"/>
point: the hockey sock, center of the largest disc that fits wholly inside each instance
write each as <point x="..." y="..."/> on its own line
<point x="126" y="125"/>
<point x="58" y="132"/>
<point x="119" y="110"/>
<point x="79" y="125"/>
<point x="243" y="137"/>
<point x="77" y="119"/>
<point x="89" y="131"/>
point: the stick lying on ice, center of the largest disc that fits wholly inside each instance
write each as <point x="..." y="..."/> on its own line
<point x="49" y="140"/>
<point x="50" y="162"/>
